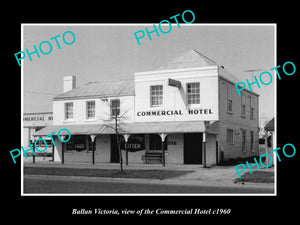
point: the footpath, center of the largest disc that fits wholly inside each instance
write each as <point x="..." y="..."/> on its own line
<point x="194" y="174"/>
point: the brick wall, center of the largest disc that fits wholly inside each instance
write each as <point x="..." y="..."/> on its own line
<point x="235" y="121"/>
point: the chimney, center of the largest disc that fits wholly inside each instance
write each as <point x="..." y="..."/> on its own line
<point x="69" y="83"/>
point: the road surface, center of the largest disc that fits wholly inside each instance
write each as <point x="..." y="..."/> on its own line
<point x="59" y="184"/>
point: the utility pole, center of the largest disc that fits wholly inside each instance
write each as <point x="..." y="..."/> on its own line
<point x="252" y="72"/>
<point x="118" y="143"/>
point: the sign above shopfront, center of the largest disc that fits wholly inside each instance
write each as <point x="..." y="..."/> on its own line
<point x="37" y="119"/>
<point x="174" y="83"/>
<point x="173" y="112"/>
<point x="136" y="142"/>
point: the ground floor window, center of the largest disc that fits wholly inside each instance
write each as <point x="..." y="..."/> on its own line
<point x="252" y="141"/>
<point x="77" y="143"/>
<point x="155" y="142"/>
<point x="41" y="144"/>
<point x="244" y="141"/>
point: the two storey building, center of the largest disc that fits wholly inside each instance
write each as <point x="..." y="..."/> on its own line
<point x="188" y="109"/>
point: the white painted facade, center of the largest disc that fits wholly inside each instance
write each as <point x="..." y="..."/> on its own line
<point x="102" y="110"/>
<point x="175" y="98"/>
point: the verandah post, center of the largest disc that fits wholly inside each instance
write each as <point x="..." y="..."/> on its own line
<point x="92" y="136"/>
<point x="126" y="136"/>
<point x="163" y="136"/>
<point x="204" y="149"/>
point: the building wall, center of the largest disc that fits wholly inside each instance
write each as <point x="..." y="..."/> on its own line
<point x="102" y="110"/>
<point x="26" y="137"/>
<point x="175" y="151"/>
<point x="211" y="149"/>
<point x="32" y="122"/>
<point x="175" y="98"/>
<point x="234" y="120"/>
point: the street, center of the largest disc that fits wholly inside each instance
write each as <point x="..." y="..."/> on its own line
<point x="75" y="185"/>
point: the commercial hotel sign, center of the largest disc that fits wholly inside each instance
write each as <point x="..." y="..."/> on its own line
<point x="176" y="114"/>
<point x="37" y="119"/>
<point x="173" y="112"/>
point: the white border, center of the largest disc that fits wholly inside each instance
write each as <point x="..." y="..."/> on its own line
<point x="147" y="24"/>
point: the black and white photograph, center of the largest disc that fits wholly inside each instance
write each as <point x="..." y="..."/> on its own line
<point x="129" y="109"/>
<point x="149" y="111"/>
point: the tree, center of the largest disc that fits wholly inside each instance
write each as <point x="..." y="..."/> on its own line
<point x="114" y="123"/>
<point x="118" y="142"/>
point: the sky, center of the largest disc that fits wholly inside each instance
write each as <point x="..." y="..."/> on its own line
<point x="111" y="52"/>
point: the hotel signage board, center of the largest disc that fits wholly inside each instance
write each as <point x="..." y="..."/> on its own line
<point x="174" y="83"/>
<point x="37" y="119"/>
<point x="136" y="142"/>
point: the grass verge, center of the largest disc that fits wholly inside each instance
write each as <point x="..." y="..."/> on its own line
<point x="257" y="177"/>
<point x="111" y="173"/>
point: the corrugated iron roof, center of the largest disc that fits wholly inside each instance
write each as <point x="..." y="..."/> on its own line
<point x="270" y="125"/>
<point x="189" y="59"/>
<point x="192" y="59"/>
<point x="129" y="128"/>
<point x="100" y="89"/>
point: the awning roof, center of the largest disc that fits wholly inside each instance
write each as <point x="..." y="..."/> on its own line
<point x="130" y="128"/>
<point x="270" y="125"/>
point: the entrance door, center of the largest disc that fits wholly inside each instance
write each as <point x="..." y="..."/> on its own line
<point x="192" y="148"/>
<point x="114" y="151"/>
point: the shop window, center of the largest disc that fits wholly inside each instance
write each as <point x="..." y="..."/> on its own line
<point x="193" y="93"/>
<point x="230" y="136"/>
<point x="115" y="107"/>
<point x="41" y="144"/>
<point x="155" y="142"/>
<point x="77" y="143"/>
<point x="90" y="109"/>
<point x="156" y="93"/>
<point x="136" y="142"/>
<point x="69" y="110"/>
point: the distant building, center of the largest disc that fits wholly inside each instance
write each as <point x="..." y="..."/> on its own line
<point x="33" y="122"/>
<point x="190" y="104"/>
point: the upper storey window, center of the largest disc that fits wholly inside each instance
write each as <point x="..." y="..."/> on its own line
<point x="156" y="93"/>
<point x="193" y="93"/>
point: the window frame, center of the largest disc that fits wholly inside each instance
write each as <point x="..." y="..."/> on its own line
<point x="244" y="135"/>
<point x="251" y="107"/>
<point x="113" y="108"/>
<point x="243" y="105"/>
<point x="252" y="141"/>
<point x="229" y="100"/>
<point x="67" y="113"/>
<point x="195" y="96"/>
<point x="157" y="95"/>
<point x="227" y="137"/>
<point x="93" y="110"/>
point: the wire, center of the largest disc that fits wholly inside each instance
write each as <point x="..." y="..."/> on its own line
<point x="37" y="92"/>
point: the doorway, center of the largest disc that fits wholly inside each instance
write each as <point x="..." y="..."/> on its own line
<point x="114" y="151"/>
<point x="192" y="148"/>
